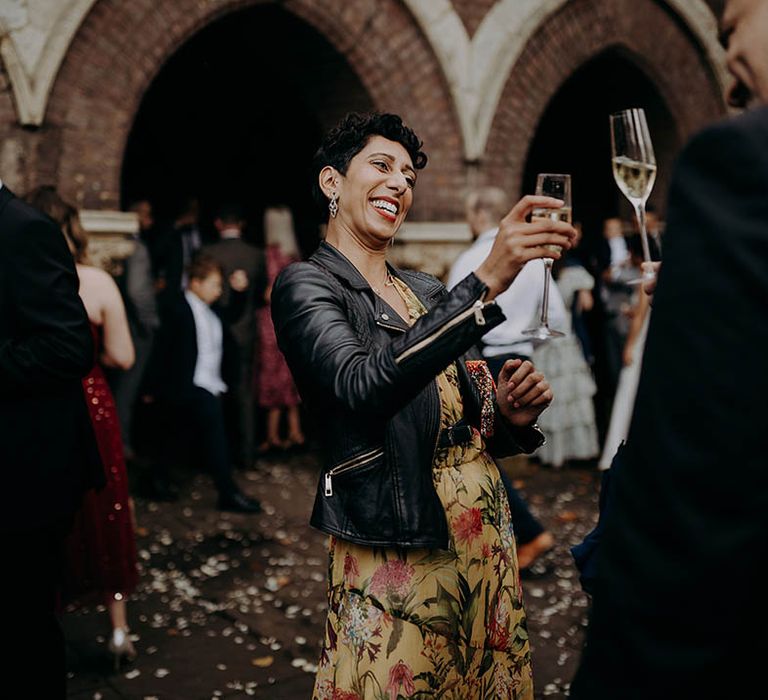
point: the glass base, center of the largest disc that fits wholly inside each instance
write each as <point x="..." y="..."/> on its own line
<point x="647" y="277"/>
<point x="543" y="333"/>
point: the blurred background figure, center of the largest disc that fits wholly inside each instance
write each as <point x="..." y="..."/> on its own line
<point x="520" y="303"/>
<point x="101" y="548"/>
<point x="274" y="385"/>
<point x="175" y="249"/>
<point x="569" y="422"/>
<point x="136" y="285"/>
<point x="196" y="363"/>
<point x="233" y="253"/>
<point x="618" y="297"/>
<point x="632" y="356"/>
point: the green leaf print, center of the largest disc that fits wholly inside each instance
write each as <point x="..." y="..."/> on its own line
<point x="397" y="633"/>
<point x="470" y="610"/>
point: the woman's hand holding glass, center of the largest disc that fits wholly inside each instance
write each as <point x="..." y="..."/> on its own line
<point x="522" y="392"/>
<point x="519" y="241"/>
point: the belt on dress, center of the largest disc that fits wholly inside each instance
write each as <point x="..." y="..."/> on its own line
<point x="457" y="434"/>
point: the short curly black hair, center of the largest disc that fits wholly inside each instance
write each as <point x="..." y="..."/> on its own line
<point x="342" y="143"/>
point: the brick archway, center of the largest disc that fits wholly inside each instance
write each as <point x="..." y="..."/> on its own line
<point x="120" y="48"/>
<point x="645" y="31"/>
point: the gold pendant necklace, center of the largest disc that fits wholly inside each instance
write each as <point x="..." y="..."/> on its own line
<point x="388" y="282"/>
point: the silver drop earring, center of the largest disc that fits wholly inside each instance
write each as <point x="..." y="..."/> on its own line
<point x="333" y="206"/>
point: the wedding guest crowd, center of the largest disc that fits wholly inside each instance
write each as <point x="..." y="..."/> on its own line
<point x="418" y="390"/>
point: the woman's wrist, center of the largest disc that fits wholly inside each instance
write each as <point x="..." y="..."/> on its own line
<point x="495" y="287"/>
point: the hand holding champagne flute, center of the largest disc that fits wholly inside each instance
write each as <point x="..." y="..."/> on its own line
<point x="634" y="166"/>
<point x="519" y="241"/>
<point x="558" y="186"/>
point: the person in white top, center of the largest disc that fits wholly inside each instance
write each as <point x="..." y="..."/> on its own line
<point x="521" y="302"/>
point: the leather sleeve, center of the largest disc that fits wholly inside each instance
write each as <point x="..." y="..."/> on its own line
<point x="325" y="353"/>
<point x="52" y="343"/>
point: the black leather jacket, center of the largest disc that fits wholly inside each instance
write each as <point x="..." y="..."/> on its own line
<point x="370" y="380"/>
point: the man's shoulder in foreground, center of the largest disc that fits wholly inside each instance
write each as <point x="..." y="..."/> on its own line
<point x="750" y="126"/>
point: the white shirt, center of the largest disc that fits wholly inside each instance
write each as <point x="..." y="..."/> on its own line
<point x="521" y="303"/>
<point x="209" y="346"/>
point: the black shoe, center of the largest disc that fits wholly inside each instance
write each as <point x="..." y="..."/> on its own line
<point x="238" y="502"/>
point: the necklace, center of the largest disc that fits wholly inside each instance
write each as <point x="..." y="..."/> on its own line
<point x="388" y="282"/>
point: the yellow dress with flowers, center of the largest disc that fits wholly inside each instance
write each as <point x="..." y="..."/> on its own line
<point x="422" y="623"/>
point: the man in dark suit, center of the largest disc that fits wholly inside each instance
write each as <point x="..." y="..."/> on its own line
<point x="233" y="253"/>
<point x="196" y="364"/>
<point x="174" y="249"/>
<point x="48" y="454"/>
<point x="679" y="603"/>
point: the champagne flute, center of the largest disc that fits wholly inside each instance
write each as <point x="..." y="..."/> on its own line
<point x="559" y="186"/>
<point x="634" y="166"/>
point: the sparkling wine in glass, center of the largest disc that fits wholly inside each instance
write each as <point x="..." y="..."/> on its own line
<point x="634" y="166"/>
<point x="559" y="186"/>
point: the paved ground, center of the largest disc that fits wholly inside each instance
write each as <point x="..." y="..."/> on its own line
<point x="233" y="606"/>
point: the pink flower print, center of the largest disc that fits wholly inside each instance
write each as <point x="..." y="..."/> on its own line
<point x="486" y="551"/>
<point x="400" y="675"/>
<point x="351" y="570"/>
<point x="393" y="578"/>
<point x="498" y="630"/>
<point x="468" y="525"/>
<point x="339" y="694"/>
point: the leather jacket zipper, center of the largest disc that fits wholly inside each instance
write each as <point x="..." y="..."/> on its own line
<point x="353" y="463"/>
<point x="475" y="309"/>
<point x="390" y="326"/>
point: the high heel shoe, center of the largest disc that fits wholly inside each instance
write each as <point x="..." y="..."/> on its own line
<point x="120" y="645"/>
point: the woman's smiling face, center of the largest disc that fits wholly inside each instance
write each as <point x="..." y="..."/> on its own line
<point x="377" y="190"/>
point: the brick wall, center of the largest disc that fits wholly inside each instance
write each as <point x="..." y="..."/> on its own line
<point x="645" y="30"/>
<point x="472" y="13"/>
<point x="121" y="46"/>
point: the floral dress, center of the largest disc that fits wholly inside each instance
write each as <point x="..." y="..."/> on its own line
<point x="425" y="623"/>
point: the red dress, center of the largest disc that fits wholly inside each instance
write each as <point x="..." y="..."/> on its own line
<point x="273" y="380"/>
<point x="101" y="548"/>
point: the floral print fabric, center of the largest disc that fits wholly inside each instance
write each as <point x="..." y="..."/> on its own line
<point x="418" y="623"/>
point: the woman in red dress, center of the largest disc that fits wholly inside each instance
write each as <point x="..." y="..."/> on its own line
<point x="101" y="548"/>
<point x="275" y="389"/>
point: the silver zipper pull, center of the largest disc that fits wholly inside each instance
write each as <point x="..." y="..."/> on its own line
<point x="328" y="487"/>
<point x="479" y="318"/>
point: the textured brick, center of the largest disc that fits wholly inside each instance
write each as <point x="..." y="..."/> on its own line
<point x="579" y="31"/>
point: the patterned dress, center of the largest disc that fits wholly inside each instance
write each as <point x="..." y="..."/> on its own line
<point x="421" y="623"/>
<point x="273" y="382"/>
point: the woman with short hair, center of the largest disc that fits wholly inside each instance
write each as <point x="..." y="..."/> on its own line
<point x="424" y="594"/>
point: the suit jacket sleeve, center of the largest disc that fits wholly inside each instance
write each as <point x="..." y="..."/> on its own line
<point x="692" y="496"/>
<point x="51" y="342"/>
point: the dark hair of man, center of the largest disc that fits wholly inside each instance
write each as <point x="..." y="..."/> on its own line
<point x="202" y="266"/>
<point x="230" y="213"/>
<point x="349" y="137"/>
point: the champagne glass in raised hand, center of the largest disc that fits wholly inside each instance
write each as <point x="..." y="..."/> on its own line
<point x="558" y="186"/>
<point x="634" y="166"/>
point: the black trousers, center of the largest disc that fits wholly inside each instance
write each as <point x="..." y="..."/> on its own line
<point x="198" y="424"/>
<point x="33" y="661"/>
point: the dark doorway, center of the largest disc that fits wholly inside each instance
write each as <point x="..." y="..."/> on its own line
<point x="236" y="115"/>
<point x="573" y="137"/>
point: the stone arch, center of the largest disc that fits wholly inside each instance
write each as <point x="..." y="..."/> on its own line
<point x="647" y="31"/>
<point x="120" y="47"/>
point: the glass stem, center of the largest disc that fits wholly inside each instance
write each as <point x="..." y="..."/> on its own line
<point x="545" y="299"/>
<point x="640" y="209"/>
